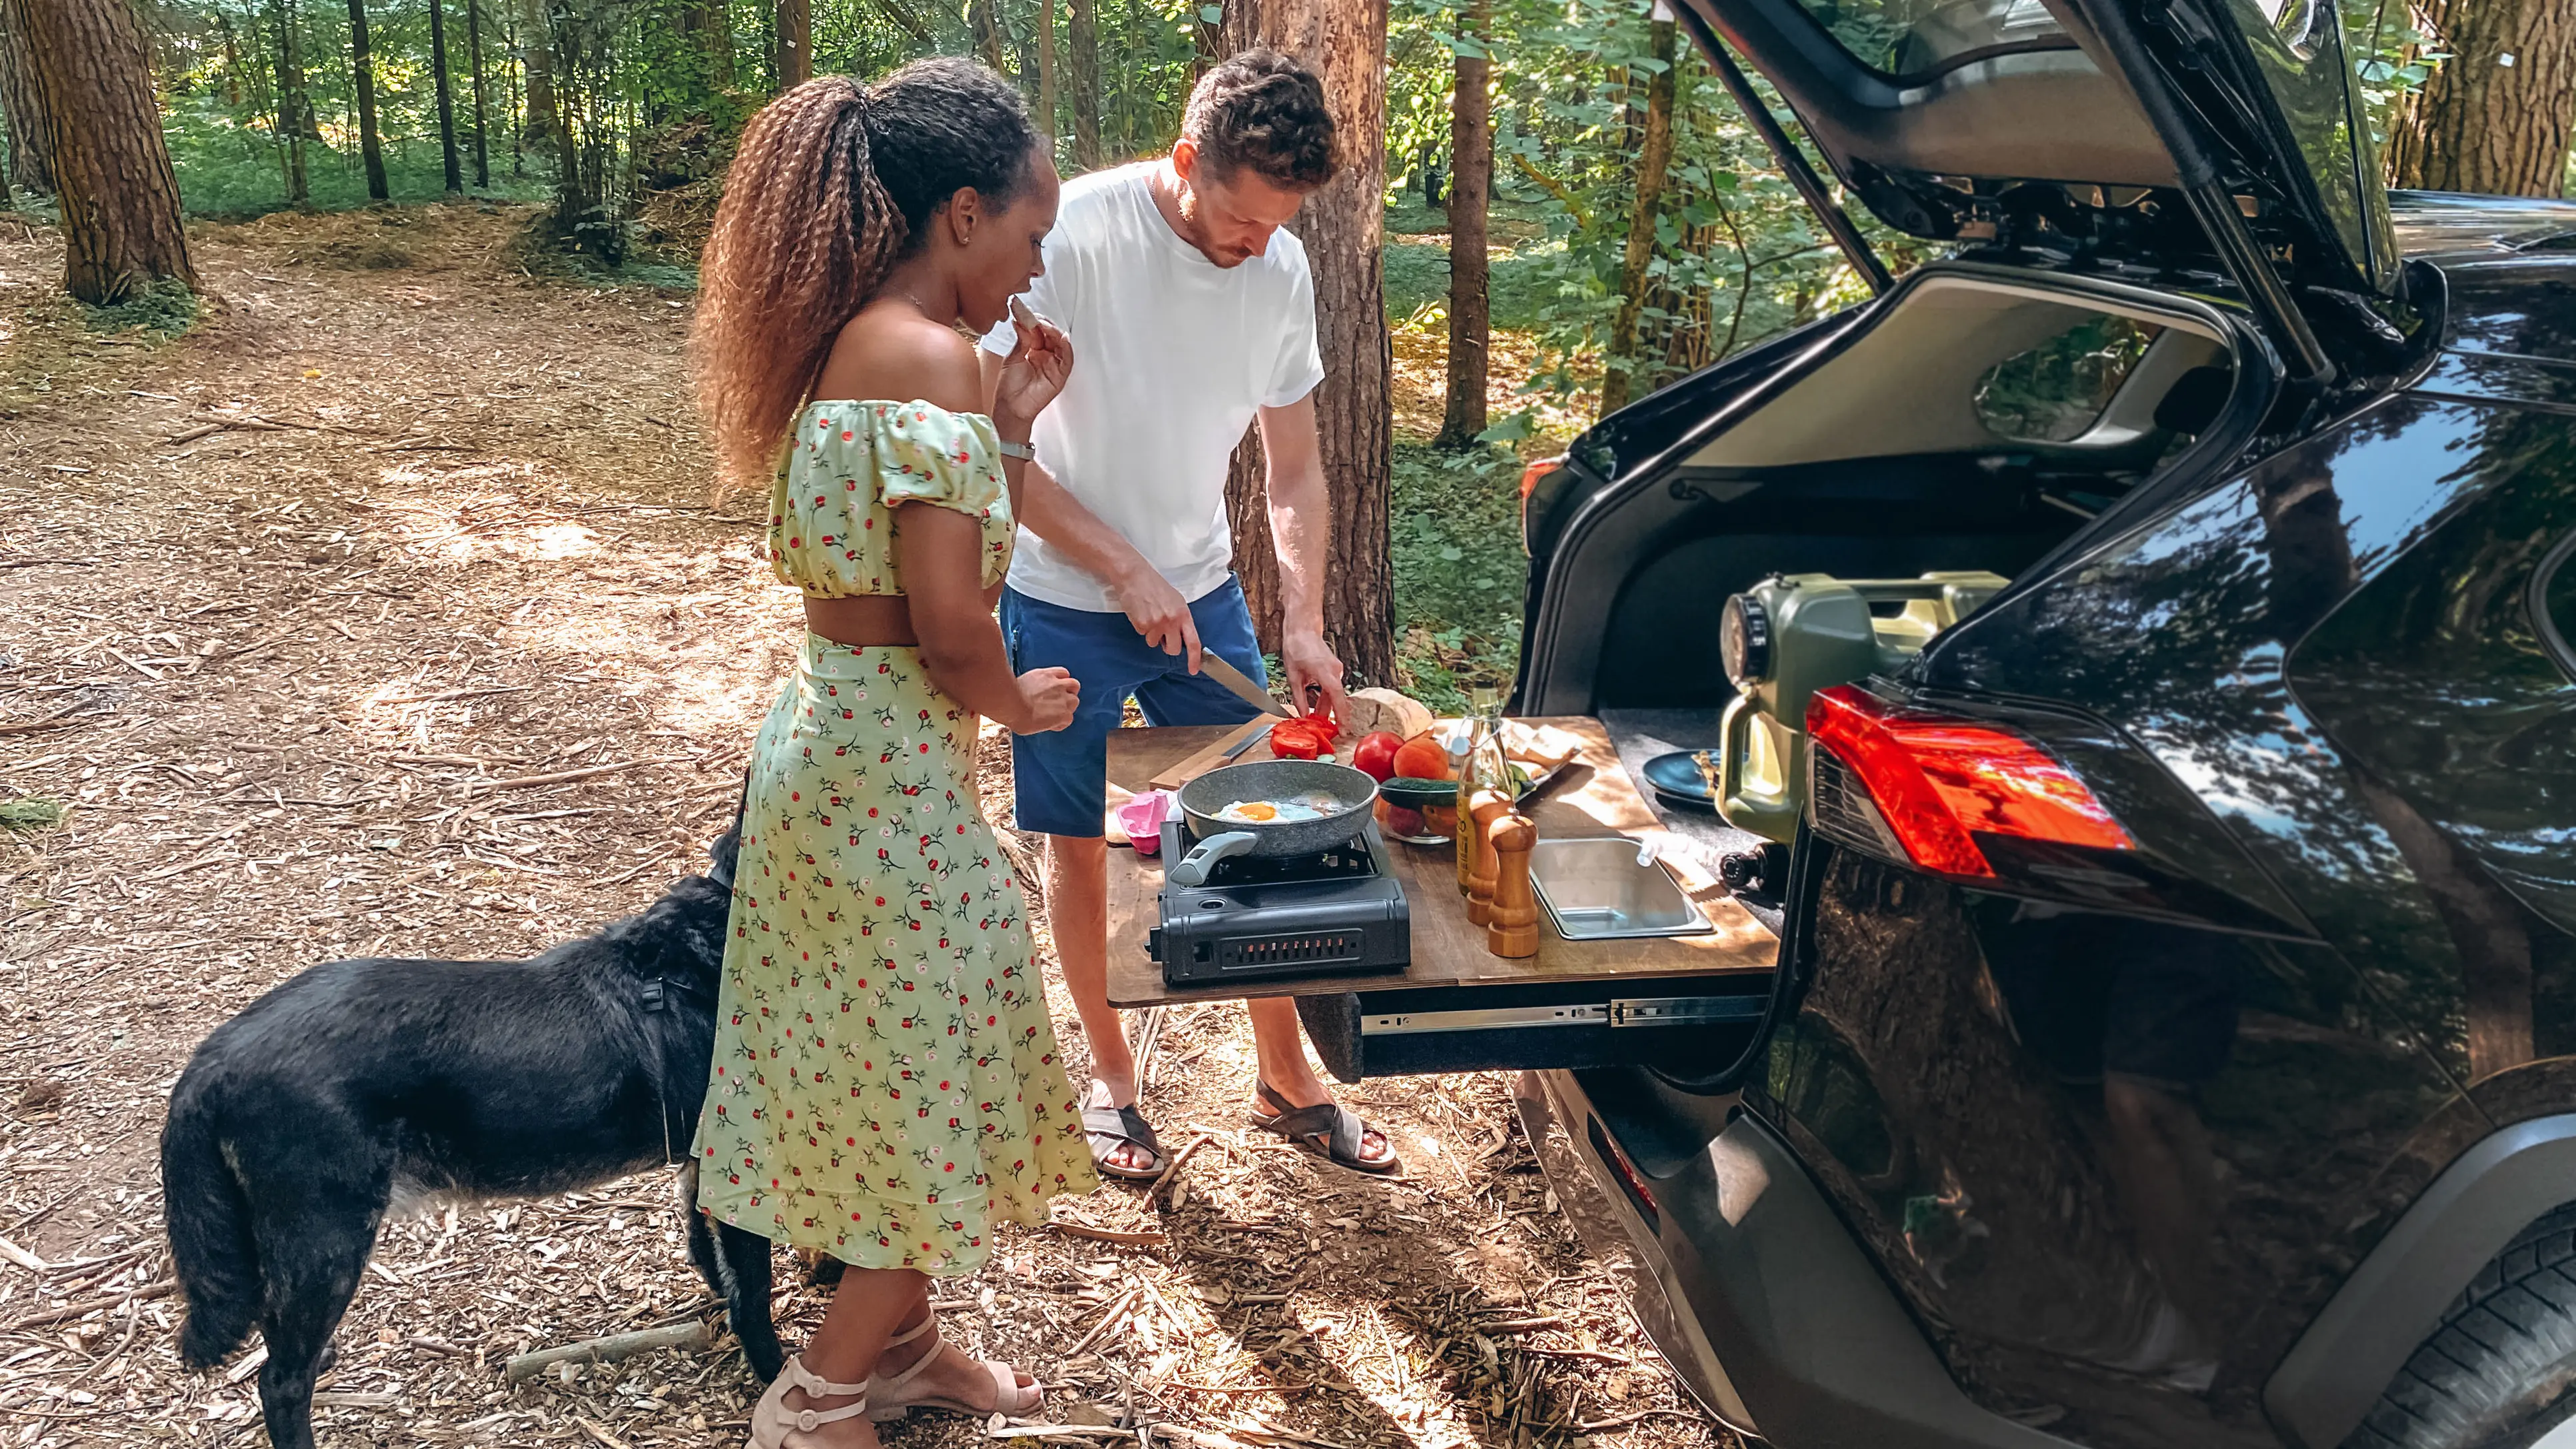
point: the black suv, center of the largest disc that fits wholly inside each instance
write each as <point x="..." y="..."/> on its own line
<point x="2174" y="1036"/>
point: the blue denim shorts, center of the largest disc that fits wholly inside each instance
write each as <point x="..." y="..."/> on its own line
<point x="1062" y="778"/>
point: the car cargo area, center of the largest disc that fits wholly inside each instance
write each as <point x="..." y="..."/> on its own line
<point x="1973" y="427"/>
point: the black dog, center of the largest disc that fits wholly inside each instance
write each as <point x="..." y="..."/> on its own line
<point x="360" y="1086"/>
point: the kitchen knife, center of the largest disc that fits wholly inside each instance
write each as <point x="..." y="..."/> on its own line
<point x="1244" y="689"/>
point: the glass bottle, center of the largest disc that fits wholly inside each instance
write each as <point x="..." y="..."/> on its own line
<point x="1481" y="766"/>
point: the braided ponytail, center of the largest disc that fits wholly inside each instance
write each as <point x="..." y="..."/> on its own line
<point x="832" y="185"/>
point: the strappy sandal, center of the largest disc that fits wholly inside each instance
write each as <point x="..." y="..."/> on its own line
<point x="893" y="1399"/>
<point x="772" y="1422"/>
<point x="1328" y="1130"/>
<point x="1109" y="1128"/>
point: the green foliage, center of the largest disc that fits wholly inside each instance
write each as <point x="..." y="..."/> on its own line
<point x="1417" y="278"/>
<point x="2053" y="392"/>
<point x="165" y="306"/>
<point x="1459" y="571"/>
<point x="28" y="814"/>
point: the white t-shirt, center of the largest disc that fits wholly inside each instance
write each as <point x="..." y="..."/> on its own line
<point x="1173" y="355"/>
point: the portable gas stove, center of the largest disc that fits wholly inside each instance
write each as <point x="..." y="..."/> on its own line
<point x="1293" y="915"/>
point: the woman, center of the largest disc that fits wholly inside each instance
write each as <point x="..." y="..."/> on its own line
<point x="886" y="1085"/>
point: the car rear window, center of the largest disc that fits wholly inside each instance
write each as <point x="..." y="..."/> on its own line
<point x="1909" y="38"/>
<point x="2055" y="392"/>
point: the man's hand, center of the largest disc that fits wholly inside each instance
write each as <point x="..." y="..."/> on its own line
<point x="1158" y="611"/>
<point x="1312" y="665"/>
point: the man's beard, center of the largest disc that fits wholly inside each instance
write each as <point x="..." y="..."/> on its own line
<point x="1189" y="209"/>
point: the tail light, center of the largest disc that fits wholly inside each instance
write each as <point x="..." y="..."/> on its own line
<point x="1929" y="786"/>
<point x="1530" y="478"/>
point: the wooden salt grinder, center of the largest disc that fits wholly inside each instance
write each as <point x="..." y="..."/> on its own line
<point x="1490" y="806"/>
<point x="1512" y="926"/>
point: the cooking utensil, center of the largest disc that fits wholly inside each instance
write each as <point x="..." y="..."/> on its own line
<point x="1235" y="751"/>
<point x="1350" y="792"/>
<point x="1214" y="667"/>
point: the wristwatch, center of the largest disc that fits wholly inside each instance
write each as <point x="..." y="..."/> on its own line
<point x="1021" y="451"/>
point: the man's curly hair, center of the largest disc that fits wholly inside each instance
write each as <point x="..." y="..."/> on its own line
<point x="1263" y="112"/>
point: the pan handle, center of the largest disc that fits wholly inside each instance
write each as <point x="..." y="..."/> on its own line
<point x="1192" y="869"/>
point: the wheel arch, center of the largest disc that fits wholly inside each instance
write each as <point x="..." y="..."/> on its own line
<point x="2396" y="1299"/>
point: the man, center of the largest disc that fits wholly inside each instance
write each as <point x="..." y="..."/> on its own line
<point x="1191" y="314"/>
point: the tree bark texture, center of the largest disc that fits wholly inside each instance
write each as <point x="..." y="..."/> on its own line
<point x="987" y="27"/>
<point x="537" y="58"/>
<point x="795" y="43"/>
<point x="474" y="58"/>
<point x="294" y="107"/>
<point x="1047" y="122"/>
<point x="1344" y="42"/>
<point x="1082" y="40"/>
<point x="2494" y="117"/>
<point x="30" y="160"/>
<point x="446" y="102"/>
<point x="1471" y="146"/>
<point x="86" y="78"/>
<point x="1654" y="158"/>
<point x="363" y="63"/>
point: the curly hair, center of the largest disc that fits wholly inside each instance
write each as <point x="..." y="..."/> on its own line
<point x="1263" y="111"/>
<point x="833" y="184"/>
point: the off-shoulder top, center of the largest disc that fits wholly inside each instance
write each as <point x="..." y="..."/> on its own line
<point x="849" y="463"/>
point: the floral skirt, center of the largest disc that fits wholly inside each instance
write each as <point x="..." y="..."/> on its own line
<point x="886" y="1083"/>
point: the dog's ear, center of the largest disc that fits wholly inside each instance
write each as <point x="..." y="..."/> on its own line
<point x="722" y="852"/>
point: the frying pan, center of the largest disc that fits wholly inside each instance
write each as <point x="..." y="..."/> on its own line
<point x="1218" y="840"/>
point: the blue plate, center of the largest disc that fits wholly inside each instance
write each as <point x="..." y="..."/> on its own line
<point x="1677" y="779"/>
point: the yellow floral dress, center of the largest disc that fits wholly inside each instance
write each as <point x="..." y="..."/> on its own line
<point x="886" y="1083"/>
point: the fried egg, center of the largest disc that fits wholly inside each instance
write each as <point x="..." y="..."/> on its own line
<point x="1268" y="812"/>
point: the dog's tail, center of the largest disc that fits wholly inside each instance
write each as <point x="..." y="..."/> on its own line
<point x="210" y="1239"/>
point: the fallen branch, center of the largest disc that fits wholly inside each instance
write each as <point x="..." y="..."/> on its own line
<point x="1597" y="1425"/>
<point x="525" y="1366"/>
<point x="20" y="1256"/>
<point x="1171" y="1179"/>
<point x="1051" y="1431"/>
<point x="1519" y="1325"/>
<point x="1109" y="1320"/>
<point x="34" y="563"/>
<point x="84" y="1308"/>
<point x="60" y="719"/>
<point x="1106" y="1235"/>
<point x="559" y="777"/>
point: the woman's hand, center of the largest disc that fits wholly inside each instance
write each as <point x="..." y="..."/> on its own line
<point x="1034" y="372"/>
<point x="1047" y="701"/>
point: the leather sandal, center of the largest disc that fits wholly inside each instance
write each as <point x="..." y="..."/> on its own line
<point x="894" y="1398"/>
<point x="1109" y="1128"/>
<point x="772" y="1421"/>
<point x="1328" y="1130"/>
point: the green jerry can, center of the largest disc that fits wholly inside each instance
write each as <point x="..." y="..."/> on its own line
<point x="1789" y="636"/>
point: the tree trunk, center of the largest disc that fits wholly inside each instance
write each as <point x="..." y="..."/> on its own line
<point x="1654" y="158"/>
<point x="537" y="58"/>
<point x="987" y="28"/>
<point x="1082" y="39"/>
<point x="30" y="160"/>
<point x="370" y="147"/>
<point x="85" y="76"/>
<point x="1471" y="145"/>
<point x="1046" y="69"/>
<point x="1344" y="41"/>
<point x="474" y="58"/>
<point x="294" y="110"/>
<point x="795" y="43"/>
<point x="2495" y="116"/>
<point x="446" y="103"/>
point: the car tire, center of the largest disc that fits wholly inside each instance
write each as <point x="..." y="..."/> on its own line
<point x="2498" y="1372"/>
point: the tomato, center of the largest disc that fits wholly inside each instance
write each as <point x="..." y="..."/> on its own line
<point x="1423" y="758"/>
<point x="1298" y="739"/>
<point x="1375" y="754"/>
<point x="1398" y="820"/>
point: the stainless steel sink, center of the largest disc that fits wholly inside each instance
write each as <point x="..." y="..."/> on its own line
<point x="1594" y="890"/>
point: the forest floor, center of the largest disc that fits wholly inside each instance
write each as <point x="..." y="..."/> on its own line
<point x="298" y="614"/>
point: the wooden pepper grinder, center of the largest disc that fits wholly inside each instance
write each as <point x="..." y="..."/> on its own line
<point x="1511" y="928"/>
<point x="1490" y="806"/>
